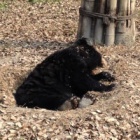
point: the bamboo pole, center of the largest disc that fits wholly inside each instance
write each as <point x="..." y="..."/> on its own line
<point x="121" y="25"/>
<point x="87" y="21"/>
<point x="100" y="8"/>
<point x="110" y="29"/>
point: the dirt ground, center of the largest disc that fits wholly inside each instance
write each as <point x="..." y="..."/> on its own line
<point x="28" y="34"/>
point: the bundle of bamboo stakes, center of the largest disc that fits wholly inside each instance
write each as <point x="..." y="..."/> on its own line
<point x="107" y="22"/>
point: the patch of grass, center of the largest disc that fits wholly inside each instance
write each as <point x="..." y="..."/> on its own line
<point x="3" y="6"/>
<point x="42" y="1"/>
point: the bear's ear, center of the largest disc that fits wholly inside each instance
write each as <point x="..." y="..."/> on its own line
<point x="84" y="41"/>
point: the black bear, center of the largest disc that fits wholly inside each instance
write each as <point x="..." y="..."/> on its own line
<point x="62" y="80"/>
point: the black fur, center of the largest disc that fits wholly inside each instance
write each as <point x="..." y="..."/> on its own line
<point x="62" y="75"/>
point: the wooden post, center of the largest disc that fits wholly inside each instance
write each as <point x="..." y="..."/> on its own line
<point x="128" y="13"/>
<point x="100" y="8"/>
<point x="80" y="22"/>
<point x="133" y="26"/>
<point x="88" y="5"/>
<point x="110" y="29"/>
<point x="121" y="25"/>
<point x="87" y="21"/>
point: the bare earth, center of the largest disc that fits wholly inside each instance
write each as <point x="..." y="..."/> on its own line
<point x="28" y="34"/>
